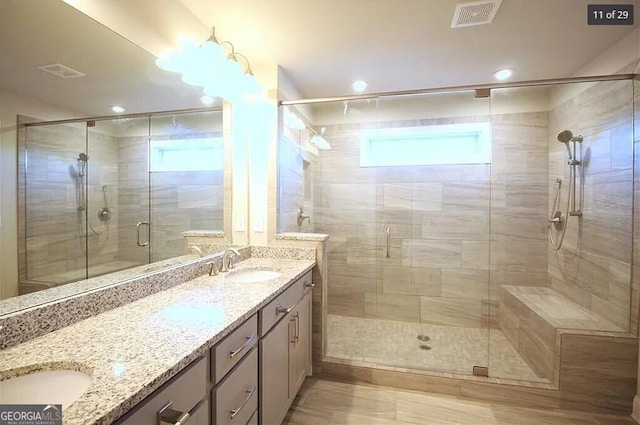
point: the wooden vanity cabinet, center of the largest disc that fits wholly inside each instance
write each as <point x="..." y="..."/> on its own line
<point x="285" y="352"/>
<point x="237" y="382"/>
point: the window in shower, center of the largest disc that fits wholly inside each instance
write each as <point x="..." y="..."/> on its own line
<point x="197" y="154"/>
<point x="466" y="143"/>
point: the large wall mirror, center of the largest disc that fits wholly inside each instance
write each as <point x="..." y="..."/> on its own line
<point x="100" y="192"/>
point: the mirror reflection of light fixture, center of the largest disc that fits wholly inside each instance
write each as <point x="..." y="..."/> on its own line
<point x="318" y="140"/>
<point x="211" y="67"/>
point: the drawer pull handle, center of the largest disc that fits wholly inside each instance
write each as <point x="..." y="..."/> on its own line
<point x="280" y="309"/>
<point x="234" y="412"/>
<point x="309" y="285"/>
<point x="248" y="341"/>
<point x="293" y="338"/>
<point x="169" y="416"/>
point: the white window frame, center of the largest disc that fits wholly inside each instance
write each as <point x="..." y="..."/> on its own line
<point x="476" y="133"/>
<point x="158" y="147"/>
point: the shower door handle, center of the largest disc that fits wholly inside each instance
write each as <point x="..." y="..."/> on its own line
<point x="388" y="230"/>
<point x="140" y="223"/>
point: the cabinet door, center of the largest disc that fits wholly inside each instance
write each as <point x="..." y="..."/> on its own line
<point x="300" y="350"/>
<point x="274" y="372"/>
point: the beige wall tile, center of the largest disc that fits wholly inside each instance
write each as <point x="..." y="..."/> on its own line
<point x="598" y="373"/>
<point x="460" y="283"/>
<point x="451" y="311"/>
<point x="431" y="253"/>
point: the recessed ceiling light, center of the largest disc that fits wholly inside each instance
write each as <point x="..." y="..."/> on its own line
<point x="207" y="100"/>
<point x="117" y="109"/>
<point x="503" y="74"/>
<point x="359" y="85"/>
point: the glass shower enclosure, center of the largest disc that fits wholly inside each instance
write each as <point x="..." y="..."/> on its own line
<point x="102" y="195"/>
<point x="441" y="208"/>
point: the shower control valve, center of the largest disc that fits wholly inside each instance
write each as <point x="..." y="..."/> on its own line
<point x="104" y="214"/>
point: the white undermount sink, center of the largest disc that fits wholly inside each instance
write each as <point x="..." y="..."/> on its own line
<point x="252" y="275"/>
<point x="45" y="387"/>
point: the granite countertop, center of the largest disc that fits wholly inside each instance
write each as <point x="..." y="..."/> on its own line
<point x="299" y="236"/>
<point x="132" y="350"/>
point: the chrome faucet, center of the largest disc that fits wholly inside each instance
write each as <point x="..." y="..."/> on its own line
<point x="227" y="259"/>
<point x="302" y="217"/>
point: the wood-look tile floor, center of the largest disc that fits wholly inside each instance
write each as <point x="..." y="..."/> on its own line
<point x="324" y="402"/>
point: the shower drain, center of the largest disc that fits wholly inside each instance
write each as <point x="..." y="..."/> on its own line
<point x="423" y="338"/>
<point x="425" y="347"/>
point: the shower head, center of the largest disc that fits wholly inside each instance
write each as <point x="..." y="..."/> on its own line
<point x="83" y="157"/>
<point x="566" y="136"/>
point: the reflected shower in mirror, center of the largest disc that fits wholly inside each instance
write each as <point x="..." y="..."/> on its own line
<point x="138" y="183"/>
<point x="85" y="183"/>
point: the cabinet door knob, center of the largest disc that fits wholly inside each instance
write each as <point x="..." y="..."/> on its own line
<point x="309" y="285"/>
<point x="234" y="412"/>
<point x="169" y="416"/>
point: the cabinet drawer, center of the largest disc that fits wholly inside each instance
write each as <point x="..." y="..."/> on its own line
<point x="185" y="390"/>
<point x="277" y="308"/>
<point x="238" y="393"/>
<point x="228" y="352"/>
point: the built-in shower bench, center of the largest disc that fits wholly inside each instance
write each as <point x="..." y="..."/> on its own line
<point x="533" y="319"/>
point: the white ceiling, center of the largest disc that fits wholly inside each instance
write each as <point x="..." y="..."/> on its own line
<point x="324" y="45"/>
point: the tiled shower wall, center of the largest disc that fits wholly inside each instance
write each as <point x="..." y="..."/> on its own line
<point x="519" y="192"/>
<point x="439" y="218"/>
<point x="55" y="228"/>
<point x="295" y="178"/>
<point x="593" y="268"/>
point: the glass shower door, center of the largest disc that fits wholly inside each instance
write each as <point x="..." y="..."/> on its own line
<point x="117" y="195"/>
<point x="432" y="156"/>
<point x="55" y="171"/>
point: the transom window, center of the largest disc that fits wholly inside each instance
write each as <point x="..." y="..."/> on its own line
<point x="203" y="154"/>
<point x="466" y="143"/>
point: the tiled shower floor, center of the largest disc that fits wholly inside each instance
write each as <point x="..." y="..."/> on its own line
<point x="453" y="349"/>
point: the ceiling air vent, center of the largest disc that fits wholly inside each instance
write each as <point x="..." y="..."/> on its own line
<point x="475" y="13"/>
<point x="60" y="70"/>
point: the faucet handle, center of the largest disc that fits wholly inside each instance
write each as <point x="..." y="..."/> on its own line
<point x="212" y="268"/>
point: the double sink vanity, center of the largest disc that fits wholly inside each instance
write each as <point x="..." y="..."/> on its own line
<point x="228" y="348"/>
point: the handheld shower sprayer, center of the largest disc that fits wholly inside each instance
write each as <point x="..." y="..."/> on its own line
<point x="82" y="163"/>
<point x="558" y="218"/>
<point x="566" y="136"/>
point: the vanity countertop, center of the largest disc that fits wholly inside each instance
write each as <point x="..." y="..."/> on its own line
<point x="132" y="350"/>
